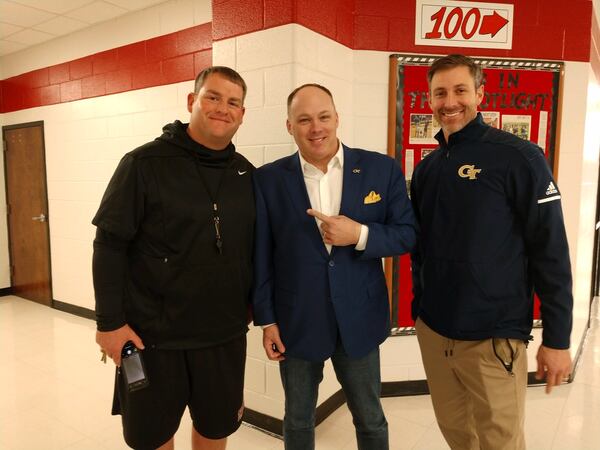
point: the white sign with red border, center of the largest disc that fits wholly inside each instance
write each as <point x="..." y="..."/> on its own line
<point x="464" y="24"/>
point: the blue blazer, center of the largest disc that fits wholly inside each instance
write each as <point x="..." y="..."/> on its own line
<point x="313" y="295"/>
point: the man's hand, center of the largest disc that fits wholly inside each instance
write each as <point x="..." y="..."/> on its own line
<point x="112" y="342"/>
<point x="274" y="348"/>
<point x="337" y="230"/>
<point x="553" y="364"/>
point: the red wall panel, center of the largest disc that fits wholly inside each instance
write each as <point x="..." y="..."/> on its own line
<point x="105" y="61"/>
<point x="80" y="68"/>
<point x="345" y="27"/>
<point x="577" y="43"/>
<point x="526" y="13"/>
<point x="319" y="15"/>
<point x="166" y="59"/>
<point x="371" y="32"/>
<point x="36" y="78"/>
<point x="70" y="90"/>
<point x="147" y="75"/>
<point x="553" y="40"/>
<point x="543" y="29"/>
<point x="12" y="94"/>
<point x="202" y="60"/>
<point x="31" y="98"/>
<point x="385" y="8"/>
<point x="193" y="39"/>
<point x="93" y="86"/>
<point x="58" y="73"/>
<point x="119" y="81"/>
<point x="131" y="55"/>
<point x="236" y="17"/>
<point x="50" y="95"/>
<point x="160" y="48"/>
<point x="178" y="69"/>
<point x="278" y="12"/>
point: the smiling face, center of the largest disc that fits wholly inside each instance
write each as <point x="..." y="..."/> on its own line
<point x="216" y="112"/>
<point x="313" y="121"/>
<point x="453" y="98"/>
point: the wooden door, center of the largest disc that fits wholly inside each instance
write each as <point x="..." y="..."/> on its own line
<point x="27" y="205"/>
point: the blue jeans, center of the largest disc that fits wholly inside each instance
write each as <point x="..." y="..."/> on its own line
<point x="361" y="383"/>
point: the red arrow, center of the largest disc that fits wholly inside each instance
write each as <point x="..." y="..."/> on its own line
<point x="492" y="23"/>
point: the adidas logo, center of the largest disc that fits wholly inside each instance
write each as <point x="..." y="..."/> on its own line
<point x="551" y="189"/>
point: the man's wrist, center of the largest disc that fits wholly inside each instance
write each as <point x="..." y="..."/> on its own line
<point x="362" y="238"/>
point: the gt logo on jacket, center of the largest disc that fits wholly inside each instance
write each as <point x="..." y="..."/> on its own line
<point x="468" y="171"/>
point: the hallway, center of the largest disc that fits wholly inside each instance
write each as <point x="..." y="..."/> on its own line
<point x="56" y="395"/>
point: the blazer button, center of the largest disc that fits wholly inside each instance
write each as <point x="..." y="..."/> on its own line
<point x="331" y="264"/>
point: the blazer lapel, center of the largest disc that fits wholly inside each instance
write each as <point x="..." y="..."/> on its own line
<point x="351" y="184"/>
<point x="293" y="179"/>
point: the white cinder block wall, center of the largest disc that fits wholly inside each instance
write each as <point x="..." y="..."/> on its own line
<point x="85" y="139"/>
<point x="578" y="182"/>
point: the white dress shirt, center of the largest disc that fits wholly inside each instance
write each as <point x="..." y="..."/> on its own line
<point x="325" y="191"/>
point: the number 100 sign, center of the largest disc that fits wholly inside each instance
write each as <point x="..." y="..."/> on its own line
<point x="464" y="24"/>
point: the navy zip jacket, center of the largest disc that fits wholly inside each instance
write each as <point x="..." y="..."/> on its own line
<point x="491" y="233"/>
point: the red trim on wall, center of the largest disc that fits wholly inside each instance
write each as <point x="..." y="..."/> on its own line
<point x="166" y="59"/>
<point x="278" y="12"/>
<point x="543" y="29"/>
<point x="235" y="17"/>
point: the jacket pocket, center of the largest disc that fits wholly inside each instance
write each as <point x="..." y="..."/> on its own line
<point x="149" y="274"/>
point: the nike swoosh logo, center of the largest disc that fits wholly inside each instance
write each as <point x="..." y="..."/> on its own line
<point x="242" y="173"/>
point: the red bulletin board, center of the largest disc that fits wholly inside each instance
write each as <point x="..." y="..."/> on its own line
<point x="520" y="97"/>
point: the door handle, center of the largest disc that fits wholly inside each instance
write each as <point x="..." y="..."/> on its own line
<point x="40" y="218"/>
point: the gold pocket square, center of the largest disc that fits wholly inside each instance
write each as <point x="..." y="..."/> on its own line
<point x="373" y="197"/>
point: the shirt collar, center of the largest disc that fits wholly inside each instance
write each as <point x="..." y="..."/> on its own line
<point x="338" y="158"/>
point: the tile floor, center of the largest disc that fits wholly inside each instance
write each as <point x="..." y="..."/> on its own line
<point x="55" y="395"/>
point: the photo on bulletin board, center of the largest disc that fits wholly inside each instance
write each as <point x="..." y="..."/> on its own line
<point x="423" y="128"/>
<point x="492" y="118"/>
<point x="520" y="97"/>
<point x="519" y="125"/>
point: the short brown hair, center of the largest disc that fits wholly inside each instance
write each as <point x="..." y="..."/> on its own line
<point x="456" y="60"/>
<point x="315" y="85"/>
<point x="225" y="72"/>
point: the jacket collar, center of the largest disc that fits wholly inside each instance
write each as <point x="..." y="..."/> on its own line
<point x="471" y="131"/>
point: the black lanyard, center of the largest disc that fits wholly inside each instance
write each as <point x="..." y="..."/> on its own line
<point x="215" y="205"/>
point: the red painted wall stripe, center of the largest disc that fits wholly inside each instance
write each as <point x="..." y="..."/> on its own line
<point x="166" y="59"/>
<point x="542" y="30"/>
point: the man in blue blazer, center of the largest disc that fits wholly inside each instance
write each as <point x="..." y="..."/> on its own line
<point x="325" y="217"/>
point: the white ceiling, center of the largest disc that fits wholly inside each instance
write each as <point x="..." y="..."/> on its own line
<point x="24" y="23"/>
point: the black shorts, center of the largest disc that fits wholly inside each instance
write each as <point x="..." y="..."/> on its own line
<point x="210" y="381"/>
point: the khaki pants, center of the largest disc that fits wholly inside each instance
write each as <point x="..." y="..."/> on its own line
<point x="477" y="389"/>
